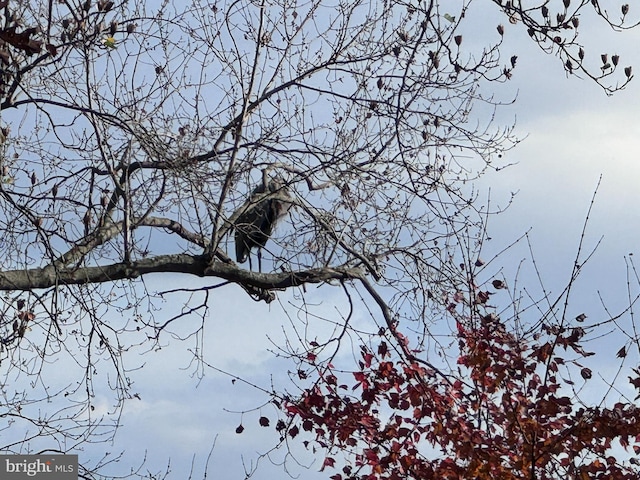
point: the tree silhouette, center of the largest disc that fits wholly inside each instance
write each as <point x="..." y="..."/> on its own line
<point x="132" y="134"/>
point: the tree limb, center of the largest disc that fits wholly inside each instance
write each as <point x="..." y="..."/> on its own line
<point x="199" y="265"/>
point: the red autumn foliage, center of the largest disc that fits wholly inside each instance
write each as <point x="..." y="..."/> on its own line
<point x="505" y="415"/>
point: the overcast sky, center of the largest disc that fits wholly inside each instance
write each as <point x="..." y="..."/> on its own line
<point x="574" y="134"/>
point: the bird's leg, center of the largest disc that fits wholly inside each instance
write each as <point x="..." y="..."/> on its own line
<point x="260" y="260"/>
<point x="249" y="257"/>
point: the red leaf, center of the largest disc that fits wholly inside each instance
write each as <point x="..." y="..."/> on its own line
<point x="362" y="380"/>
<point x="328" y="462"/>
<point x="635" y="382"/>
<point x="367" y="359"/>
<point x="294" y="410"/>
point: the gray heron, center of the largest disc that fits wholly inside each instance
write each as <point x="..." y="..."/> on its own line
<point x="258" y="217"/>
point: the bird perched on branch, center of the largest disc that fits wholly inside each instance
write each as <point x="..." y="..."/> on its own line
<point x="258" y="217"/>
